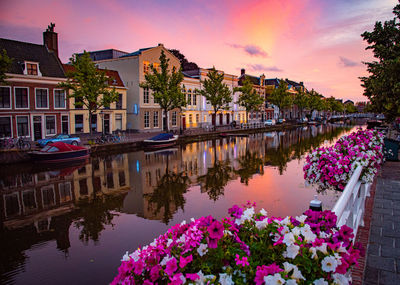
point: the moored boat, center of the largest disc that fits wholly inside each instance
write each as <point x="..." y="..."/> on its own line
<point x="59" y="152"/>
<point x="161" y="141"/>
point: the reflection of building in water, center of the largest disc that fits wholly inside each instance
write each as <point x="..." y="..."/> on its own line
<point x="35" y="198"/>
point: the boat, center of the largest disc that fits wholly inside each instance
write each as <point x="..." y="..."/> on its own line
<point x="161" y="141"/>
<point x="313" y="123"/>
<point x="59" y="152"/>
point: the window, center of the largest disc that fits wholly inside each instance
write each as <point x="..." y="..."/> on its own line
<point x="50" y="125"/>
<point x="146" y="95"/>
<point x="146" y="119"/>
<point x="59" y="98"/>
<point x="118" y="121"/>
<point x="189" y="97"/>
<point x="5" y="97"/>
<point x="195" y="98"/>
<point x="32" y="68"/>
<point x="78" y="103"/>
<point x="94" y="122"/>
<point x="78" y="123"/>
<point x="118" y="106"/>
<point x="41" y="98"/>
<point x="174" y="118"/>
<point x="65" y="192"/>
<point x="5" y="127"/>
<point x="22" y="126"/>
<point x="146" y="67"/>
<point x="197" y="118"/>
<point x="156" y="66"/>
<point x="155" y="119"/>
<point x="21" y="98"/>
<point x="64" y="125"/>
<point x="190" y="118"/>
<point x="121" y="177"/>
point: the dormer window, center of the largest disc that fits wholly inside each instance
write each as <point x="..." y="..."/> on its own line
<point x="32" y="68"/>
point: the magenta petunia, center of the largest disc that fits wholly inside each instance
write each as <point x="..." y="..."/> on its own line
<point x="216" y="230"/>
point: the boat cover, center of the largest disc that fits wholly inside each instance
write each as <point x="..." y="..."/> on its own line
<point x="61" y="147"/>
<point x="162" y="137"/>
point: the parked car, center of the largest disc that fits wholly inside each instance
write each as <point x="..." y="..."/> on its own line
<point x="281" y="121"/>
<point x="270" y="122"/>
<point x="59" y="138"/>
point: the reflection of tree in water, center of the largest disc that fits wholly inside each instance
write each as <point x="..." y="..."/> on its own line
<point x="216" y="178"/>
<point x="295" y="147"/>
<point x="169" y="194"/>
<point x="250" y="164"/>
<point x="94" y="215"/>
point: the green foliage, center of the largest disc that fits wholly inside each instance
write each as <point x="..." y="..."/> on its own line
<point x="301" y="100"/>
<point x="249" y="98"/>
<point x="280" y="97"/>
<point x="5" y="63"/>
<point x="215" y="91"/>
<point x="350" y="108"/>
<point x="382" y="87"/>
<point x="89" y="85"/>
<point x="166" y="87"/>
<point x="334" y="105"/>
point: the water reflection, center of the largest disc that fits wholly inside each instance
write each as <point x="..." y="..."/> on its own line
<point x="41" y="205"/>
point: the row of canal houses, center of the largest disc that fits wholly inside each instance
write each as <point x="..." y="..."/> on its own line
<point x="33" y="106"/>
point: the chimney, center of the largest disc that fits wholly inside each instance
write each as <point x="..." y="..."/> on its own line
<point x="160" y="45"/>
<point x="301" y="83"/>
<point x="50" y="39"/>
<point x="242" y="71"/>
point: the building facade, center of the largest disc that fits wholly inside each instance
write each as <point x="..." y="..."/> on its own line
<point x="31" y="103"/>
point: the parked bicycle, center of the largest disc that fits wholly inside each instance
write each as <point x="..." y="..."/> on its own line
<point x="20" y="143"/>
<point x="7" y="143"/>
<point x="23" y="144"/>
<point x="107" y="139"/>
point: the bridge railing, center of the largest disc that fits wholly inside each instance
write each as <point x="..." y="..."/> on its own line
<point x="350" y="207"/>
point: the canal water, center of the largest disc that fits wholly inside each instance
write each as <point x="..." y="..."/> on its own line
<point x="72" y="225"/>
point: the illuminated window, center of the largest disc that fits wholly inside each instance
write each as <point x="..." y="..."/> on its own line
<point x="146" y="67"/>
<point x="32" y="68"/>
<point x="190" y="119"/>
<point x="195" y="98"/>
<point x="189" y="97"/>
<point x="156" y="66"/>
<point x="197" y="118"/>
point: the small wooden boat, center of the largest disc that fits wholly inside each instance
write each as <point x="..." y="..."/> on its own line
<point x="161" y="141"/>
<point x="59" y="152"/>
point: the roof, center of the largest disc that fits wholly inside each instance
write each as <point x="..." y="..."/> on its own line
<point x="272" y="81"/>
<point x="49" y="63"/>
<point x="115" y="80"/>
<point x="138" y="52"/>
<point x="254" y="79"/>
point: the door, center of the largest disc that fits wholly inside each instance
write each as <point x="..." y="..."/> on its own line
<point x="64" y="125"/>
<point x="227" y="119"/>
<point x="183" y="123"/>
<point x="106" y="123"/>
<point x="221" y="119"/>
<point x="213" y="119"/>
<point x="37" y="128"/>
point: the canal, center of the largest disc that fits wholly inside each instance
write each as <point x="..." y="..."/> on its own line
<point x="72" y="225"/>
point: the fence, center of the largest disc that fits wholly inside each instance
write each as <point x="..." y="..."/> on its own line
<point x="350" y="207"/>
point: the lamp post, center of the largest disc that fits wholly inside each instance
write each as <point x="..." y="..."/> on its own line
<point x="102" y="121"/>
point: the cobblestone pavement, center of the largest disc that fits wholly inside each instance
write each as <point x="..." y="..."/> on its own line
<point x="383" y="251"/>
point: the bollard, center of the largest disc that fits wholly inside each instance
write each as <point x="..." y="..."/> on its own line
<point x="316" y="205"/>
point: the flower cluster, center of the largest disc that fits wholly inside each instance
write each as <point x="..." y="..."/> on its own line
<point x="246" y="248"/>
<point x="333" y="166"/>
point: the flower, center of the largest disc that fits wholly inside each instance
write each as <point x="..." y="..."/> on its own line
<point x="216" y="230"/>
<point x="171" y="266"/>
<point x="241" y="261"/>
<point x="291" y="251"/>
<point x="320" y="281"/>
<point x="202" y="249"/>
<point x="329" y="264"/>
<point x="275" y="279"/>
<point x="185" y="260"/>
<point x="225" y="279"/>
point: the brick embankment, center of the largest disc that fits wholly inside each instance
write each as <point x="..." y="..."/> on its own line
<point x="382" y="261"/>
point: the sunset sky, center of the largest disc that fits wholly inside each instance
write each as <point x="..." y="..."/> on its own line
<point x="317" y="42"/>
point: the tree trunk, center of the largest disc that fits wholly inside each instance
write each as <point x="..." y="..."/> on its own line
<point x="165" y="121"/>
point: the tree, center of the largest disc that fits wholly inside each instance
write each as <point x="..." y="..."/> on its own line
<point x="382" y="87"/>
<point x="216" y="92"/>
<point x="89" y="85"/>
<point x="166" y="87"/>
<point x="350" y="108"/>
<point x="280" y="97"/>
<point x="249" y="98"/>
<point x="5" y="63"/>
<point x="315" y="103"/>
<point x="301" y="100"/>
<point x="185" y="64"/>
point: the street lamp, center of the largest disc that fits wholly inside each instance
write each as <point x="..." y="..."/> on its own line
<point x="102" y="121"/>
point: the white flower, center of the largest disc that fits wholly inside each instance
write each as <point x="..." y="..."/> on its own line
<point x="202" y="249"/>
<point x="291" y="251"/>
<point x="296" y="231"/>
<point x="192" y="219"/>
<point x="306" y="231"/>
<point x="274" y="280"/>
<point x="248" y="213"/>
<point x="125" y="257"/>
<point x="183" y="223"/>
<point x="263" y="212"/>
<point x="285" y="221"/>
<point x="262" y="224"/>
<point x="182" y="277"/>
<point x="169" y="242"/>
<point x="322" y="248"/>
<point x="320" y="281"/>
<point x="225" y="279"/>
<point x="165" y="260"/>
<point x="229" y="233"/>
<point x="340" y="279"/>
<point x="291" y="282"/>
<point x="301" y="218"/>
<point x="288" y="239"/>
<point x="296" y="272"/>
<point x="285" y="230"/>
<point x="329" y="264"/>
<point x="313" y="251"/>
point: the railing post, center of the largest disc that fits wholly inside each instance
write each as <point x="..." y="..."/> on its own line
<point x="316" y="205"/>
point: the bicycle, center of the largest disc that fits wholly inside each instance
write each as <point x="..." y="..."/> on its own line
<point x="7" y="143"/>
<point x="22" y="144"/>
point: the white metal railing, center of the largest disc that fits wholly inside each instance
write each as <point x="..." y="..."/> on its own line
<point x="350" y="207"/>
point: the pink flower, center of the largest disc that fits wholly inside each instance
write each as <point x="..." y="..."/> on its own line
<point x="185" y="260"/>
<point x="171" y="266"/>
<point x="265" y="271"/>
<point x="155" y="272"/>
<point x="243" y="262"/>
<point x="192" y="276"/>
<point x="216" y="230"/>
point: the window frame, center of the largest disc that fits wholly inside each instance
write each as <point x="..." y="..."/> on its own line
<point x="117" y="106"/>
<point x="174" y="116"/>
<point x="15" y="98"/>
<point x="48" y="103"/>
<point x="118" y="117"/>
<point x="148" y="119"/>
<point x="155" y="121"/>
<point x="54" y="99"/>
<point x="83" y="124"/>
<point x="146" y="96"/>
<point x="32" y="63"/>
<point x="11" y="125"/>
<point x="28" y="123"/>
<point x="9" y="88"/>
<point x="55" y="125"/>
<point x="189" y="97"/>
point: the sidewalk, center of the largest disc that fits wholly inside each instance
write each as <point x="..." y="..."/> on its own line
<point x="383" y="250"/>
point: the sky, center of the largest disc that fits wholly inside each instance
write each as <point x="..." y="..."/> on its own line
<point x="316" y="42"/>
